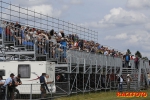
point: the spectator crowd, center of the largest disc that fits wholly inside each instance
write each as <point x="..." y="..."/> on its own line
<point x="60" y="41"/>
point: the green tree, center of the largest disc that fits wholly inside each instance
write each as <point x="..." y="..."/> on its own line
<point x="145" y="58"/>
<point x="128" y="51"/>
<point x="138" y="54"/>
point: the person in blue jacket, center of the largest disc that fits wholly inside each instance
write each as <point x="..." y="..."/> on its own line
<point x="127" y="59"/>
<point x="63" y="47"/>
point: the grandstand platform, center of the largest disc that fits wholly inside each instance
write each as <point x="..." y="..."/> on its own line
<point x="80" y="69"/>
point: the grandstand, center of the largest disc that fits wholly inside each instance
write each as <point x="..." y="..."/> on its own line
<point x="82" y="64"/>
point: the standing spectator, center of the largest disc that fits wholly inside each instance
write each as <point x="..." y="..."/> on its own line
<point x="76" y="37"/>
<point x="1" y="91"/>
<point x="64" y="47"/>
<point x="120" y="82"/>
<point x="106" y="52"/>
<point x="8" y="33"/>
<point x="62" y="34"/>
<point x="132" y="57"/>
<point x="148" y="74"/>
<point x="2" y="26"/>
<point x="43" y="85"/>
<point x="128" y="80"/>
<point x="46" y="79"/>
<point x="9" y="82"/>
<point x="136" y="61"/>
<point x="127" y="59"/>
<point x="123" y="62"/>
<point x="103" y="81"/>
<point x="59" y="34"/>
<point x="17" y="82"/>
<point x="113" y="53"/>
<point x="1" y="81"/>
<point x="80" y="44"/>
<point x="17" y="26"/>
<point x="17" y="29"/>
<point x="53" y="39"/>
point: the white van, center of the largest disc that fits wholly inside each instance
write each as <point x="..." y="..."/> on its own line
<point x="30" y="72"/>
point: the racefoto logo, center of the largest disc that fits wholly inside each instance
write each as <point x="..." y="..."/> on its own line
<point x="132" y="94"/>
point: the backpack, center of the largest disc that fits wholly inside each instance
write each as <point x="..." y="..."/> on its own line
<point x="127" y="58"/>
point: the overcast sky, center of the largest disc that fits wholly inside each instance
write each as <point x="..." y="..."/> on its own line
<point x="121" y="24"/>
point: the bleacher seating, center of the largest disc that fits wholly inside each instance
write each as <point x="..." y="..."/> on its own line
<point x="49" y="44"/>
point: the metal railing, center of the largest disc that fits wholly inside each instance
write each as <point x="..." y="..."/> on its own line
<point x="26" y="91"/>
<point x="25" y="16"/>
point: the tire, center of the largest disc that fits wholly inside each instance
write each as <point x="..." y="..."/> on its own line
<point x="16" y="94"/>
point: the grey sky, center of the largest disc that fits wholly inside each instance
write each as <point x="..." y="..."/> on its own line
<point x="121" y="24"/>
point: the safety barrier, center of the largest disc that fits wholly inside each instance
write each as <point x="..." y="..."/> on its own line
<point x="101" y="60"/>
<point x="24" y="91"/>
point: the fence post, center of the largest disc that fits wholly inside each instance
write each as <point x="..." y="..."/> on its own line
<point x="31" y="93"/>
<point x="6" y="92"/>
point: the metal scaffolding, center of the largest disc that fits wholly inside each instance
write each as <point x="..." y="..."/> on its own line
<point x="81" y="72"/>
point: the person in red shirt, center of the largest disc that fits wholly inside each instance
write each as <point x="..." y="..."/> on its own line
<point x="136" y="61"/>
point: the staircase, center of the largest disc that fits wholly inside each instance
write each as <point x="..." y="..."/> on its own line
<point x="134" y="75"/>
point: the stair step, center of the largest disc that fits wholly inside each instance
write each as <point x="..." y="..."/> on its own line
<point x="128" y="68"/>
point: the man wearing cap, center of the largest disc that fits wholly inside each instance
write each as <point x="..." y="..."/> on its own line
<point x="9" y="82"/>
<point x="128" y="80"/>
<point x="16" y="82"/>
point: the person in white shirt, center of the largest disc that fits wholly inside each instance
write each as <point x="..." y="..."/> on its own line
<point x="1" y="84"/>
<point x="120" y="82"/>
<point x="1" y="81"/>
<point x="128" y="80"/>
<point x="46" y="79"/>
<point x="106" y="53"/>
<point x="59" y="34"/>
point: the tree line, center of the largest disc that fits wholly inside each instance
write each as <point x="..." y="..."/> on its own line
<point x="138" y="53"/>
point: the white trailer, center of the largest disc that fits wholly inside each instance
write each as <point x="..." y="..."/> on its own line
<point x="30" y="72"/>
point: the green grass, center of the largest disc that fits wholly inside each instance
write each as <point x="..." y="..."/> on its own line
<point x="102" y="96"/>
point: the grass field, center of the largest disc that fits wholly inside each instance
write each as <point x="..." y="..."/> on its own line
<point x="102" y="96"/>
